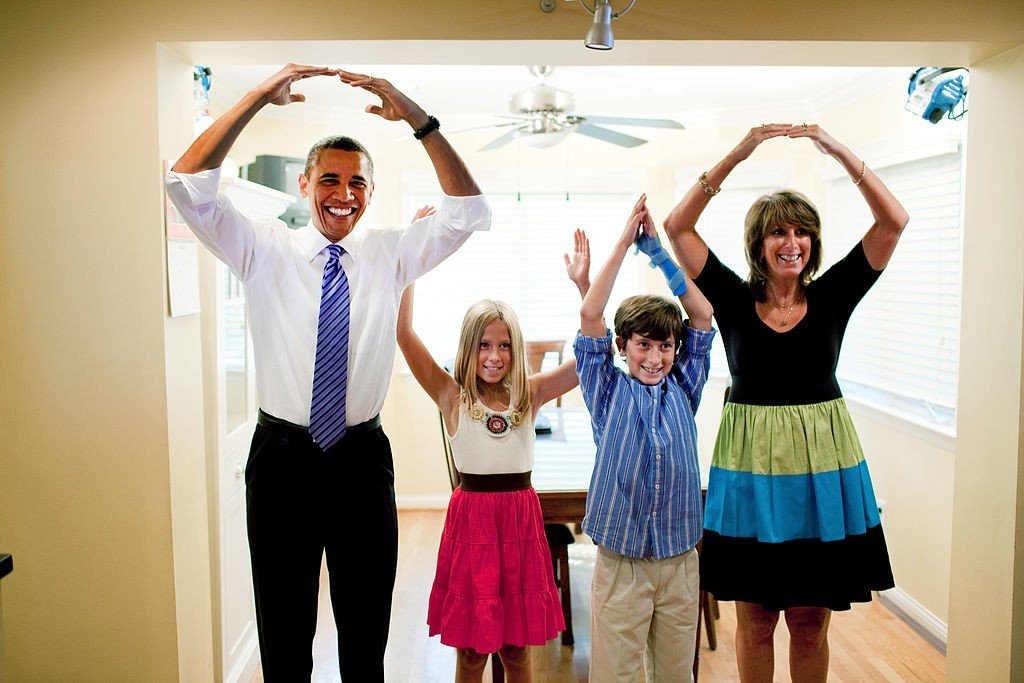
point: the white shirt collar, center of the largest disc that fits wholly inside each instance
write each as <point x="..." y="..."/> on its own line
<point x="311" y="241"/>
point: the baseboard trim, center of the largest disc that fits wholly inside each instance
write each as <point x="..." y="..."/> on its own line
<point x="436" y="501"/>
<point x="929" y="626"/>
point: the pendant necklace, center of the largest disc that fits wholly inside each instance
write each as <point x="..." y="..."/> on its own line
<point x="789" y="312"/>
<point x="785" y="321"/>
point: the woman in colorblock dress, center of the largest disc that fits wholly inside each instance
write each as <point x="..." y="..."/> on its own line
<point x="791" y="524"/>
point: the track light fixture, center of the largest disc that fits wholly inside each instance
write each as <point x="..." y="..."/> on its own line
<point x="600" y="37"/>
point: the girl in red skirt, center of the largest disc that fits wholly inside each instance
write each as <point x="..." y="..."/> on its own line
<point x="494" y="589"/>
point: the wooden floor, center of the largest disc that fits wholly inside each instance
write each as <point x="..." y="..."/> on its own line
<point x="868" y="642"/>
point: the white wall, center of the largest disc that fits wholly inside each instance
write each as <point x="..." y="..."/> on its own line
<point x="987" y="513"/>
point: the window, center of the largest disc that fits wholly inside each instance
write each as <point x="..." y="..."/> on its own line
<point x="903" y="343"/>
<point x="901" y="349"/>
<point x="520" y="259"/>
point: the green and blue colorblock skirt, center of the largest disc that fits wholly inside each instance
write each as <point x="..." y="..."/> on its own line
<point x="790" y="518"/>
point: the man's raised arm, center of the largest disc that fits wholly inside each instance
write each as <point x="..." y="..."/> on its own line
<point x="209" y="149"/>
<point x="452" y="174"/>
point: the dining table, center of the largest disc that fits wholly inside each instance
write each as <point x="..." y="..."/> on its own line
<point x="563" y="459"/>
<point x="563" y="462"/>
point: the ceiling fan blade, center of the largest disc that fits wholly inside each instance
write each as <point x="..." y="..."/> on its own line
<point x="406" y="138"/>
<point x="625" y="121"/>
<point x="607" y="135"/>
<point x="489" y="125"/>
<point x="500" y="141"/>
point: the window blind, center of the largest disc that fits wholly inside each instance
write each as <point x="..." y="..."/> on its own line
<point x="519" y="260"/>
<point x="902" y="345"/>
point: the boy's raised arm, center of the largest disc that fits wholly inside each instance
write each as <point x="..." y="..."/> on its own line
<point x="698" y="308"/>
<point x="592" y="310"/>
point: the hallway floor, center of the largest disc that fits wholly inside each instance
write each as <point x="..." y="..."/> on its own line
<point x="868" y="643"/>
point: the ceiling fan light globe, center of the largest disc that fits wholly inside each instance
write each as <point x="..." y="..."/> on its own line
<point x="542" y="140"/>
<point x="541" y="98"/>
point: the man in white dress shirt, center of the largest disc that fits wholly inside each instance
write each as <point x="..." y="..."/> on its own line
<point x="301" y="499"/>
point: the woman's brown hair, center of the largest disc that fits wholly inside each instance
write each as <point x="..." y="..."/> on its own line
<point x="786" y="207"/>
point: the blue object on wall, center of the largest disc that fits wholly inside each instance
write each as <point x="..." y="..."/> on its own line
<point x="935" y="92"/>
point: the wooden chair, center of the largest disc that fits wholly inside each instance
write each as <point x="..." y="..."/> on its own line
<point x="449" y="456"/>
<point x="707" y="610"/>
<point x="559" y="536"/>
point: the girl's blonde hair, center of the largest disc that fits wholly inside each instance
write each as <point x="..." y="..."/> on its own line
<point x="478" y="317"/>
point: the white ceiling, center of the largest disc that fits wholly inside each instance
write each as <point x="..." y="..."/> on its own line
<point x="466" y="96"/>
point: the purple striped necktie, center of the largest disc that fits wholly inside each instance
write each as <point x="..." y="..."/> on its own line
<point x="330" y="370"/>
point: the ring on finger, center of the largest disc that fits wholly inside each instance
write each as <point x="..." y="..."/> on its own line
<point x="804" y="126"/>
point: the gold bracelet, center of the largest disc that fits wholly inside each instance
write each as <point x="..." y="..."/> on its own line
<point x="708" y="190"/>
<point x="863" y="167"/>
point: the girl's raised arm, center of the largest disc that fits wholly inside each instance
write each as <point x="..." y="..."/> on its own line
<point x="545" y="386"/>
<point x="438" y="384"/>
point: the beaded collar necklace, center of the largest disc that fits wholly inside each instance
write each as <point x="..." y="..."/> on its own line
<point x="497" y="423"/>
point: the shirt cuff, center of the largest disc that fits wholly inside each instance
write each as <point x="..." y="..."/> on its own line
<point x="202" y="187"/>
<point x="698" y="342"/>
<point x="593" y="344"/>
<point x="466" y="214"/>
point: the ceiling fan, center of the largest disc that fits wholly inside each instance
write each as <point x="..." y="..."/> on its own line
<point x="542" y="116"/>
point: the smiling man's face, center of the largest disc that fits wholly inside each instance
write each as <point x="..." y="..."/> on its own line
<point x="338" y="187"/>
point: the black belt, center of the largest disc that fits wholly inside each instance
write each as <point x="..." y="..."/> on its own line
<point x="280" y="426"/>
<point x="494" y="483"/>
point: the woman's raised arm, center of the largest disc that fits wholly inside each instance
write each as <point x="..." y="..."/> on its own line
<point x="889" y="215"/>
<point x="681" y="223"/>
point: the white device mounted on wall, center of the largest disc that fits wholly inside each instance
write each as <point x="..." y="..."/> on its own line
<point x="938" y="91"/>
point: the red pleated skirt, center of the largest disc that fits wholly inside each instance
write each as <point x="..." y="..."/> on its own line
<point x="494" y="583"/>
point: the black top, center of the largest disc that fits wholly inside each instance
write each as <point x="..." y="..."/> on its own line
<point x="6" y="564"/>
<point x="797" y="366"/>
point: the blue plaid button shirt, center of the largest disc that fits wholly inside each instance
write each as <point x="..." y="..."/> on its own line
<point x="644" y="496"/>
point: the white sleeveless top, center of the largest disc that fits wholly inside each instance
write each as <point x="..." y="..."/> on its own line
<point x="478" y="451"/>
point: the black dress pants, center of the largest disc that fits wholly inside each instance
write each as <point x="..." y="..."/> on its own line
<point x="301" y="502"/>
